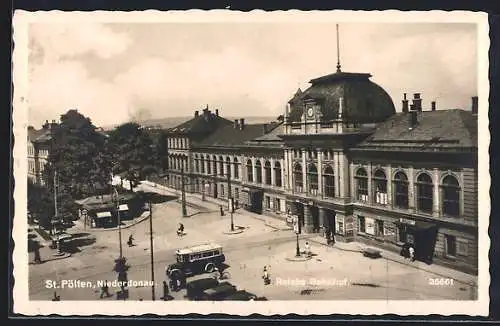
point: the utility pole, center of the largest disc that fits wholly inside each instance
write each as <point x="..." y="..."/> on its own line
<point x="152" y="255"/>
<point x="117" y="210"/>
<point x="183" y="194"/>
<point x="56" y="214"/>
<point x="229" y="199"/>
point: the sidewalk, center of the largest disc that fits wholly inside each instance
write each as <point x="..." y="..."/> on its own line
<point x="79" y="225"/>
<point x="278" y="224"/>
<point x="438" y="270"/>
<point x="214" y="203"/>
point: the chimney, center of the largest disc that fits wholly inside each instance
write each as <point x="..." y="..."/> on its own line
<point x="433" y="106"/>
<point x="242" y="124"/>
<point x="196" y="113"/>
<point x="236" y="124"/>
<point x="412" y="119"/>
<point x="417" y="102"/>
<point x="474" y="104"/>
<point x="217" y="112"/>
<point x="31" y="128"/>
<point x="405" y="104"/>
<point x="46" y="124"/>
<point x="264" y="128"/>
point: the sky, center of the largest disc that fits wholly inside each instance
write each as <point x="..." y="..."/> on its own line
<point x="114" y="73"/>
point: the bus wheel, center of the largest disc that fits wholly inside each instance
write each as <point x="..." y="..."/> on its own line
<point x="209" y="268"/>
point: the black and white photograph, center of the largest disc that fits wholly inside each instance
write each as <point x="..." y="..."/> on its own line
<point x="184" y="162"/>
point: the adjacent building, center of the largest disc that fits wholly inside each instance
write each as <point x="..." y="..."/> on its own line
<point x="39" y="145"/>
<point x="342" y="160"/>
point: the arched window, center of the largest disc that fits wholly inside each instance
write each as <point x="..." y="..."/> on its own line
<point x="312" y="176"/>
<point x="362" y="185"/>
<point x="329" y="181"/>
<point x="258" y="173"/>
<point x="277" y="174"/>
<point x="380" y="187"/>
<point x="236" y="168"/>
<point x="451" y="196"/>
<point x="297" y="175"/>
<point x="196" y="164"/>
<point x="424" y="193"/>
<point x="209" y="165"/>
<point x="228" y="166"/>
<point x="400" y="190"/>
<point x="249" y="171"/>
<point x="202" y="164"/>
<point x="221" y="165"/>
<point x="267" y="170"/>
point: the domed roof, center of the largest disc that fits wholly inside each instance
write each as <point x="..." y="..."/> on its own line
<point x="363" y="100"/>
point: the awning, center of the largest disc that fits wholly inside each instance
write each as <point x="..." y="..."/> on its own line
<point x="123" y="207"/>
<point x="103" y="214"/>
<point x="416" y="225"/>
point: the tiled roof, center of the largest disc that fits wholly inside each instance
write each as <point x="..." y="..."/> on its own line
<point x="442" y="129"/>
<point x="203" y="123"/>
<point x="272" y="136"/>
<point x="229" y="136"/>
<point x="39" y="135"/>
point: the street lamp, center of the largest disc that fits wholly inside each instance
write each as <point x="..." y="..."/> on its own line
<point x="116" y="201"/>
<point x="296" y="229"/>
<point x="183" y="194"/>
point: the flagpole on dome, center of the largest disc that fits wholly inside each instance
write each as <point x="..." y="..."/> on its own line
<point x="338" y="50"/>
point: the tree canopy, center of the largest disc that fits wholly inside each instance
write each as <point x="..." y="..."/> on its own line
<point x="78" y="156"/>
<point x="134" y="154"/>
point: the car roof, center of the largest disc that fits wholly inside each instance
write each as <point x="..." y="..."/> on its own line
<point x="198" y="248"/>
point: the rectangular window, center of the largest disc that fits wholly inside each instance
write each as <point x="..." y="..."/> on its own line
<point x="380" y="228"/>
<point x="276" y="204"/>
<point x="462" y="247"/>
<point x="451" y="245"/>
<point x="361" y="224"/>
<point x="222" y="190"/>
<point x="268" y="202"/>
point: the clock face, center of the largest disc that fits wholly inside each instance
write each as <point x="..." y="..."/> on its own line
<point x="310" y="112"/>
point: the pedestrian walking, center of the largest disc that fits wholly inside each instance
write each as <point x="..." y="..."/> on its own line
<point x="307" y="248"/>
<point x="165" y="291"/>
<point x="38" y="259"/>
<point x="265" y="276"/>
<point x="56" y="297"/>
<point x="412" y="253"/>
<point x="105" y="290"/>
<point x="221" y="210"/>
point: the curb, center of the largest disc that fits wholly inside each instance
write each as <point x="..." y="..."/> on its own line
<point x="396" y="261"/>
<point x="137" y="221"/>
<point x="298" y="259"/>
<point x="233" y="232"/>
<point x="66" y="255"/>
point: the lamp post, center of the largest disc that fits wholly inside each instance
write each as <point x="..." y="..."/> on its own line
<point x="229" y="198"/>
<point x="296" y="229"/>
<point x="117" y="210"/>
<point x="152" y="255"/>
<point x="183" y="195"/>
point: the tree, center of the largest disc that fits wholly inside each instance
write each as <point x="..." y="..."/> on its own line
<point x="40" y="204"/>
<point x="133" y="151"/>
<point x="79" y="158"/>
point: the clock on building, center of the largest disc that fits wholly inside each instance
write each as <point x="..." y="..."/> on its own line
<point x="310" y="112"/>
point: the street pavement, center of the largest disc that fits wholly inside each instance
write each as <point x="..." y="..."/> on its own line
<point x="331" y="274"/>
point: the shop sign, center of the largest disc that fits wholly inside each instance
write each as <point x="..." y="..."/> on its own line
<point x="407" y="221"/>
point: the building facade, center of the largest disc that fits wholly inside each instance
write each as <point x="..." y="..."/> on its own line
<point x="344" y="162"/>
<point x="39" y="144"/>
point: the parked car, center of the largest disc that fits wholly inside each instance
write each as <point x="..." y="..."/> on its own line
<point x="195" y="288"/>
<point x="197" y="259"/>
<point x="219" y="292"/>
<point x="241" y="295"/>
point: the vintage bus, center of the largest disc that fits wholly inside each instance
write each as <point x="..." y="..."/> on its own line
<point x="197" y="259"/>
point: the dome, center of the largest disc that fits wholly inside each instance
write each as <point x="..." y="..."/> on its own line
<point x="363" y="100"/>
